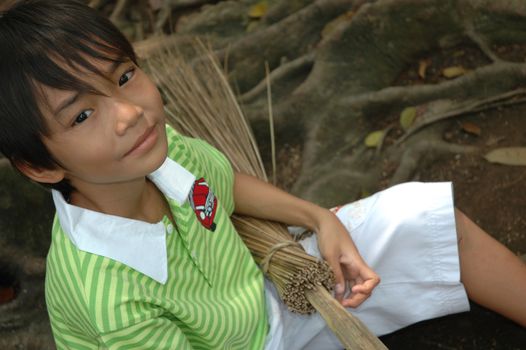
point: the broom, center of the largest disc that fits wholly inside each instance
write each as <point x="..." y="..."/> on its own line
<point x="201" y="104"/>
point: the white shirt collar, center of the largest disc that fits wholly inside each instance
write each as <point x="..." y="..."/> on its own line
<point x="137" y="244"/>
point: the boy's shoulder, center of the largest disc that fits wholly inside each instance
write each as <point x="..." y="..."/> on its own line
<point x="64" y="284"/>
<point x="84" y="285"/>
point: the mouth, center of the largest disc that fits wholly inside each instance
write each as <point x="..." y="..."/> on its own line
<point x="145" y="142"/>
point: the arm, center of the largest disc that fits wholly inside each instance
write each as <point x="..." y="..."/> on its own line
<point x="259" y="199"/>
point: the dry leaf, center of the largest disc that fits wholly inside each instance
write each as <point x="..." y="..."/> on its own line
<point x="407" y="117"/>
<point x="453" y="72"/>
<point x="375" y="138"/>
<point x="471" y="128"/>
<point x="507" y="156"/>
<point x="422" y="67"/>
<point x="258" y="10"/>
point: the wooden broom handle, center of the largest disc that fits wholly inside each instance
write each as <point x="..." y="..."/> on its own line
<point x="351" y="332"/>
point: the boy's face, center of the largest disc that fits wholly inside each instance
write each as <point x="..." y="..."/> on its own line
<point x="111" y="138"/>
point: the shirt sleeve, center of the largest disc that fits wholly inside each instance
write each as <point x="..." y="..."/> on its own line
<point x="157" y="333"/>
<point x="65" y="338"/>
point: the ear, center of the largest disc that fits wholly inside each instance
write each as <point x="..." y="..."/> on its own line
<point x="43" y="175"/>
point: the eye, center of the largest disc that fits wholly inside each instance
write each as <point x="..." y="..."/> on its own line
<point x="126" y="77"/>
<point x="79" y="119"/>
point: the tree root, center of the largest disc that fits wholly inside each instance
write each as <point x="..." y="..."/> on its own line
<point x="118" y="10"/>
<point x="283" y="9"/>
<point x="278" y="74"/>
<point x="96" y="3"/>
<point x="502" y="76"/>
<point x="292" y="37"/>
<point x="454" y="109"/>
<point x="481" y="42"/>
<point x="411" y="157"/>
<point x="162" y="17"/>
<point x="155" y="44"/>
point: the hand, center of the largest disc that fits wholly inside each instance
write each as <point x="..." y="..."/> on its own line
<point x="355" y="280"/>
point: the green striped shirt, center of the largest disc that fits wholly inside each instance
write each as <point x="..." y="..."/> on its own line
<point x="213" y="297"/>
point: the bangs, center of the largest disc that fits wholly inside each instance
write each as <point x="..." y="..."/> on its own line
<point x="65" y="69"/>
<point x="47" y="42"/>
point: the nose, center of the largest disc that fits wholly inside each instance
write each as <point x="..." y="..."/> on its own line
<point x="127" y="115"/>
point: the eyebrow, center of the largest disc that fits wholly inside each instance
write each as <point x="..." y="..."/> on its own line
<point x="66" y="103"/>
<point x="114" y="66"/>
<point x="71" y="100"/>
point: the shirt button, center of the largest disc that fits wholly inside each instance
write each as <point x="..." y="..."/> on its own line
<point x="194" y="254"/>
<point x="170" y="228"/>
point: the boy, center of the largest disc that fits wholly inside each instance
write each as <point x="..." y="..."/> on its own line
<point x="136" y="263"/>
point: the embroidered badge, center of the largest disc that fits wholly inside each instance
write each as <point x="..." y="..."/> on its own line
<point x="204" y="203"/>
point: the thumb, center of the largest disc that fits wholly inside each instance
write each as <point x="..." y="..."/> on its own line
<point x="339" y="287"/>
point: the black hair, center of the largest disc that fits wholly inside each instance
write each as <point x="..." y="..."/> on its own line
<point x="38" y="39"/>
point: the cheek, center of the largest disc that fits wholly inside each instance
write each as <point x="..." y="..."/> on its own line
<point x="151" y="95"/>
<point x="81" y="152"/>
<point x="156" y="99"/>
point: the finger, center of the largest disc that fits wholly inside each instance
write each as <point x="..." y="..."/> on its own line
<point x="355" y="300"/>
<point x="339" y="288"/>
<point x="366" y="287"/>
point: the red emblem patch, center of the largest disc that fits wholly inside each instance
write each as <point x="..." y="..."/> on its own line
<point x="204" y="203"/>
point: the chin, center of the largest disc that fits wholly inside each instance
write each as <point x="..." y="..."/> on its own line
<point x="161" y="155"/>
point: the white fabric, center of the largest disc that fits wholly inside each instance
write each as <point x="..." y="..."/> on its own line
<point x="274" y="340"/>
<point x="407" y="235"/>
<point x="138" y="244"/>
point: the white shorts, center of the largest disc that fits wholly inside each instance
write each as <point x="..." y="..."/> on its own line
<point x="407" y="235"/>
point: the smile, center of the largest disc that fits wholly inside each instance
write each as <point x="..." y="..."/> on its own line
<point x="145" y="142"/>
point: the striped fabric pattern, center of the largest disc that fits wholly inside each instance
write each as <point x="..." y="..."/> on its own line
<point x="213" y="298"/>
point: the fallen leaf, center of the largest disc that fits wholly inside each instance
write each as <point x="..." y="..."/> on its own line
<point x="422" y="67"/>
<point x="375" y="138"/>
<point x="507" y="156"/>
<point x="407" y="117"/>
<point x="471" y="128"/>
<point x="453" y="72"/>
<point x="258" y="10"/>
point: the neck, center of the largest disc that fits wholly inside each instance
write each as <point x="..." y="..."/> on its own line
<point x="138" y="199"/>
